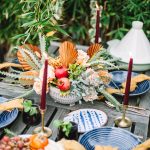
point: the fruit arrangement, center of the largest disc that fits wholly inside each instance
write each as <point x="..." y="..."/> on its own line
<point x="14" y="143"/>
<point x="63" y="83"/>
<point x="33" y="142"/>
<point x="74" y="72"/>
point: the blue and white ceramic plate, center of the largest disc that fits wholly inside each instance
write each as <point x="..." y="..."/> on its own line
<point x="6" y="117"/>
<point x="87" y="119"/>
<point x="118" y="77"/>
<point x="109" y="136"/>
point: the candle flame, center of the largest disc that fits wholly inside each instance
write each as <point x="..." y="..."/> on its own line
<point x="130" y="54"/>
<point x="45" y="55"/>
<point x="97" y="6"/>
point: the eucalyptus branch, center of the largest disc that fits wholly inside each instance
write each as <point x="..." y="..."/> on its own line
<point x="10" y="80"/>
<point x="110" y="98"/>
<point x="42" y="46"/>
<point x="28" y="93"/>
<point x="13" y="75"/>
<point x="103" y="62"/>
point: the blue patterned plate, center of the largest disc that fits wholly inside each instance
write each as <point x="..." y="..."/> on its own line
<point x="87" y="119"/>
<point x="109" y="136"/>
<point x="118" y="77"/>
<point x="6" y="117"/>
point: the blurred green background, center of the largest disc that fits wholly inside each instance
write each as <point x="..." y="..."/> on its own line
<point x="72" y="19"/>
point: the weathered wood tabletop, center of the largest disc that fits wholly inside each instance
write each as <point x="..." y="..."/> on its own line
<point x="140" y="125"/>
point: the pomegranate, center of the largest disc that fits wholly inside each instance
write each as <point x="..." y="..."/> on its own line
<point x="61" y="72"/>
<point x="63" y="84"/>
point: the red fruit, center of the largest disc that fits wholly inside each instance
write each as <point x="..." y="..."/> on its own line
<point x="63" y="84"/>
<point x="16" y="138"/>
<point x="20" y="144"/>
<point x="5" y="139"/>
<point x="61" y="72"/>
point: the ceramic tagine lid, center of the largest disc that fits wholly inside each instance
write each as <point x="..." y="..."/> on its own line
<point x="134" y="42"/>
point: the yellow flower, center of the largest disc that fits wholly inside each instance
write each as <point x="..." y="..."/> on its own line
<point x="51" y="33"/>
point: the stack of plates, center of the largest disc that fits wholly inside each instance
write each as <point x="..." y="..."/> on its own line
<point x="118" y="77"/>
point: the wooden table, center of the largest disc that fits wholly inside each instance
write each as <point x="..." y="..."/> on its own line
<point x="140" y="125"/>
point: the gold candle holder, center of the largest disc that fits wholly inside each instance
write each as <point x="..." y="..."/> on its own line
<point x="43" y="130"/>
<point x="123" y="121"/>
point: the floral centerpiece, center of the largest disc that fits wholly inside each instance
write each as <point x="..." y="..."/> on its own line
<point x="74" y="73"/>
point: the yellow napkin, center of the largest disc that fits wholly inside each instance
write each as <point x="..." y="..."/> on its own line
<point x="143" y="146"/>
<point x="134" y="80"/>
<point x="16" y="103"/>
<point x="98" y="147"/>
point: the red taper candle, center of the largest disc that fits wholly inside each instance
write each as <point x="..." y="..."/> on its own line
<point x="97" y="24"/>
<point x="128" y="82"/>
<point x="44" y="86"/>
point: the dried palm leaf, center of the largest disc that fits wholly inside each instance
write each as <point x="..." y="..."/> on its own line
<point x="22" y="60"/>
<point x="93" y="49"/>
<point x="68" y="53"/>
<point x="55" y="62"/>
<point x="6" y="65"/>
<point x="25" y="81"/>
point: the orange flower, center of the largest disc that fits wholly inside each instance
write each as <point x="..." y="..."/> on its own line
<point x="105" y="76"/>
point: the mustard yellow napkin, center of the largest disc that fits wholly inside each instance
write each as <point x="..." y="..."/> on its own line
<point x="16" y="103"/>
<point x="143" y="146"/>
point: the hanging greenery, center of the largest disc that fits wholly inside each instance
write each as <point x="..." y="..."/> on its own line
<point x="24" y="19"/>
<point x="40" y="17"/>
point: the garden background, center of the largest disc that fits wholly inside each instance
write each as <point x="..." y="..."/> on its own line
<point x="21" y="21"/>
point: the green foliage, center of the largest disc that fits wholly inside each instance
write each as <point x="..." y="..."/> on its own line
<point x="75" y="70"/>
<point x="24" y="19"/>
<point x="110" y="98"/>
<point x="65" y="126"/>
<point x="39" y="17"/>
<point x="76" y="16"/>
<point x="27" y="104"/>
<point x="116" y="20"/>
<point x="9" y="20"/>
<point x="9" y="133"/>
<point x="118" y="16"/>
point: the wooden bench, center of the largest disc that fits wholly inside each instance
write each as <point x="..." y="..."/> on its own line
<point x="140" y="125"/>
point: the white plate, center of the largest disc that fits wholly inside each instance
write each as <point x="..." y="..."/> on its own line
<point x="25" y="135"/>
<point x="87" y="119"/>
<point x="28" y="135"/>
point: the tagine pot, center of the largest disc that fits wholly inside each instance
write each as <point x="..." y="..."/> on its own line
<point x="70" y="99"/>
<point x="134" y="43"/>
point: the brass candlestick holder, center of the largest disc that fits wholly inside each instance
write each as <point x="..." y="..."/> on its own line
<point x="123" y="121"/>
<point x="43" y="130"/>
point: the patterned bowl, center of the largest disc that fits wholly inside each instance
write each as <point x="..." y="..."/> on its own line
<point x="68" y="99"/>
<point x="109" y="136"/>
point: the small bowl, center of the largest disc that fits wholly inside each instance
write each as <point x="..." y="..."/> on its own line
<point x="68" y="99"/>
<point x="32" y="120"/>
